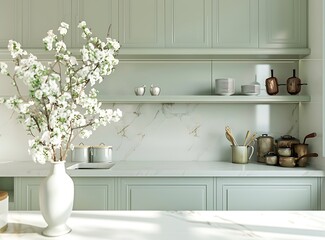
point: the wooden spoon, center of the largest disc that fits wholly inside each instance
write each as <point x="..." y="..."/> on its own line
<point x="251" y="139"/>
<point x="246" y="137"/>
<point x="228" y="130"/>
<point x="229" y="139"/>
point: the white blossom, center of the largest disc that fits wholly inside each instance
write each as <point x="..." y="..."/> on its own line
<point x="85" y="133"/>
<point x="63" y="29"/>
<point x="49" y="40"/>
<point x="59" y="103"/>
<point x="3" y="68"/>
<point x="82" y="24"/>
<point x="15" y="49"/>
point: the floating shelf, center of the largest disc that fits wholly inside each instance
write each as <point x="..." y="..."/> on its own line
<point x="184" y="53"/>
<point x="206" y="99"/>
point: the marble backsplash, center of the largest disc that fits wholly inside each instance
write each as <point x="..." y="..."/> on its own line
<point x="169" y="132"/>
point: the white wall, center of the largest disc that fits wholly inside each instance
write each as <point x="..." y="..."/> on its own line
<point x="311" y="117"/>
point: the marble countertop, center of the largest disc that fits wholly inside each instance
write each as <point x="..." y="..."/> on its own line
<point x="148" y="225"/>
<point x="163" y="169"/>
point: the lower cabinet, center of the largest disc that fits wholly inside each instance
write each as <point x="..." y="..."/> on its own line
<point x="268" y="193"/>
<point x="180" y="193"/>
<point x="166" y="194"/>
<point x="90" y="193"/>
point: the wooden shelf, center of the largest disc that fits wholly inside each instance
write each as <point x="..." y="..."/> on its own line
<point x="206" y="99"/>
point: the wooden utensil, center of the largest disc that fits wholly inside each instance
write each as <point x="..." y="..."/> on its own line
<point x="229" y="138"/>
<point x="246" y="137"/>
<point x="228" y="130"/>
<point x="251" y="139"/>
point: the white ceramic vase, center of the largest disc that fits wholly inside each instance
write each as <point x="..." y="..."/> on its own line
<point x="56" y="200"/>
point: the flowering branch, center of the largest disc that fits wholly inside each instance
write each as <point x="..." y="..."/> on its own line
<point x="58" y="108"/>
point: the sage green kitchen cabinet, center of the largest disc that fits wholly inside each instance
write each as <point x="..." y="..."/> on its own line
<point x="282" y="23"/>
<point x="165" y="194"/>
<point x="7" y="185"/>
<point x="41" y="15"/>
<point x="141" y="23"/>
<point x="90" y="193"/>
<point x="188" y="23"/>
<point x="94" y="193"/>
<point x="235" y="23"/>
<point x="10" y="22"/>
<point x="268" y="194"/>
<point x="99" y="15"/>
<point x="26" y="193"/>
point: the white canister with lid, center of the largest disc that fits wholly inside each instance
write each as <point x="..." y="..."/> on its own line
<point x="81" y="153"/>
<point x="224" y="86"/>
<point x="101" y="153"/>
<point x="4" y="202"/>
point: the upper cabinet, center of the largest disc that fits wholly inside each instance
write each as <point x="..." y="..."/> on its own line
<point x="41" y="15"/>
<point x="166" y="27"/>
<point x="283" y="23"/>
<point x="188" y="23"/>
<point x="141" y="23"/>
<point x="235" y="23"/>
<point x="10" y="24"/>
<point x="101" y="17"/>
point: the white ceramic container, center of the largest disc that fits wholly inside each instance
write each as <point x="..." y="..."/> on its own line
<point x="4" y="201"/>
<point x="251" y="89"/>
<point x="224" y="86"/>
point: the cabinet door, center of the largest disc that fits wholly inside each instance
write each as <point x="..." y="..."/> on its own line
<point x="235" y="23"/>
<point x="93" y="194"/>
<point x="99" y="15"/>
<point x="141" y="23"/>
<point x="188" y="23"/>
<point x="268" y="194"/>
<point x="90" y="193"/>
<point x="39" y="16"/>
<point x="10" y="21"/>
<point x="26" y="193"/>
<point x="166" y="194"/>
<point x="283" y="23"/>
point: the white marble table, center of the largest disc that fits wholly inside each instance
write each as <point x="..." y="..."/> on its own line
<point x="155" y="225"/>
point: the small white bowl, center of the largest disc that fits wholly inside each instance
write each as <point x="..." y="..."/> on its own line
<point x="251" y="89"/>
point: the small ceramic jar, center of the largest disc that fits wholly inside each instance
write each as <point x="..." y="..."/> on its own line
<point x="139" y="91"/>
<point x="154" y="90"/>
<point x="4" y="201"/>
